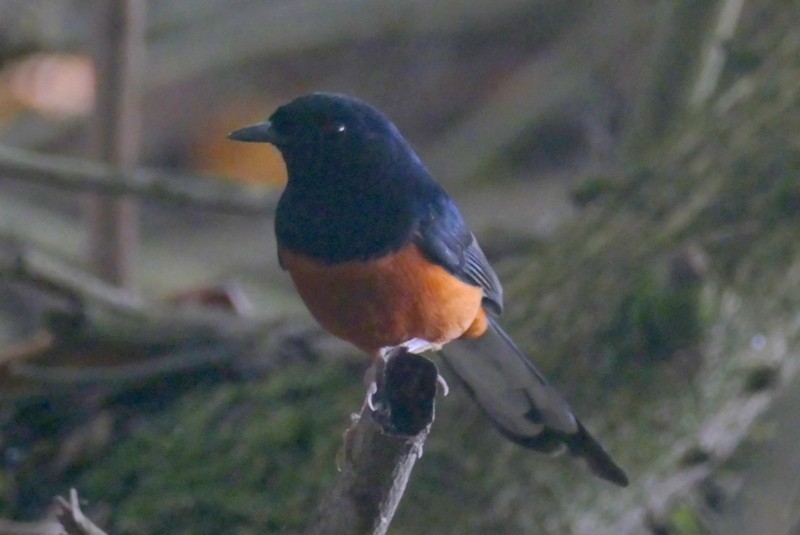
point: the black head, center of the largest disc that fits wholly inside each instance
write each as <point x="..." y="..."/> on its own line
<point x="326" y="136"/>
<point x="356" y="188"/>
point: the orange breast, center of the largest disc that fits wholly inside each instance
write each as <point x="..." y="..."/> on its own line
<point x="387" y="301"/>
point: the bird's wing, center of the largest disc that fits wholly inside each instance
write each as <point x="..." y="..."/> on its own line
<point x="444" y="238"/>
<point x="509" y="388"/>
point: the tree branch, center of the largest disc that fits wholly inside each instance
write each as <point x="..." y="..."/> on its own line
<point x="44" y="527"/>
<point x="72" y="519"/>
<point x="380" y="449"/>
<point x="79" y="175"/>
<point x="118" y="46"/>
<point x="84" y="309"/>
<point x="715" y="54"/>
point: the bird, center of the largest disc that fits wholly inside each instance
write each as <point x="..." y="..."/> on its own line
<point x="382" y="257"/>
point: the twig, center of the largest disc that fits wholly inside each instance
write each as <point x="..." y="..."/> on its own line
<point x="89" y="294"/>
<point x="173" y="361"/>
<point x="34" y="345"/>
<point x="80" y="175"/>
<point x="49" y="273"/>
<point x="381" y="449"/>
<point x="101" y="313"/>
<point x="715" y="54"/>
<point x="70" y="521"/>
<point x="72" y="518"/>
<point x="44" y="527"/>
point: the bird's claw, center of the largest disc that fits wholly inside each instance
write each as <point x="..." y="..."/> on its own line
<point x="372" y="389"/>
<point x="419" y="346"/>
<point x="442" y="385"/>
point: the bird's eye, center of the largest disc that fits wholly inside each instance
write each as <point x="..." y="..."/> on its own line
<point x="332" y="127"/>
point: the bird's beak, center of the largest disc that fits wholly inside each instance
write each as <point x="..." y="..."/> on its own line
<point x="255" y="133"/>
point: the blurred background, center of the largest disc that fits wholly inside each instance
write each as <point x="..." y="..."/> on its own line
<point x="630" y="167"/>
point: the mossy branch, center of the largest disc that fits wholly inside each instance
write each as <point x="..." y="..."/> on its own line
<point x="80" y="175"/>
<point x="380" y="449"/>
<point x="72" y="519"/>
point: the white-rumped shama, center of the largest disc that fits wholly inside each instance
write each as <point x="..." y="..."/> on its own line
<point x="381" y="256"/>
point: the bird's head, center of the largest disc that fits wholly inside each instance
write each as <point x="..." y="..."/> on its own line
<point x="325" y="136"/>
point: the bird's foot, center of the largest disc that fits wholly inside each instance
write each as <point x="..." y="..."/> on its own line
<point x="420" y="345"/>
<point x="371" y="376"/>
<point x="416" y="346"/>
<point x="441" y="385"/>
<point x="372" y="389"/>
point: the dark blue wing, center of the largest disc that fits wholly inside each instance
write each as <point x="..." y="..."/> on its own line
<point x="444" y="238"/>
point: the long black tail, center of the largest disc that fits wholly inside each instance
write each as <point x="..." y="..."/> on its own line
<point x="520" y="402"/>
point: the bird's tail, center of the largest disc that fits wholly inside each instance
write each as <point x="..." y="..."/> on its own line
<point x="520" y="403"/>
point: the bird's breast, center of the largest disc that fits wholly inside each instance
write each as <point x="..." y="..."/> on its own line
<point x="388" y="300"/>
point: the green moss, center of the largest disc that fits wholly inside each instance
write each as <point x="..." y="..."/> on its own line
<point x="656" y="319"/>
<point x="6" y="492"/>
<point x="591" y="189"/>
<point x="236" y="458"/>
<point x="742" y="59"/>
<point x="684" y="521"/>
